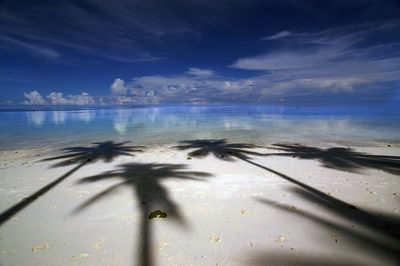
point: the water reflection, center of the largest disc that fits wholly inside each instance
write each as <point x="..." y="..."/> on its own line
<point x="86" y="115"/>
<point x="168" y="124"/>
<point x="231" y="124"/>
<point x="121" y="120"/>
<point x="151" y="114"/>
<point x="130" y="119"/>
<point x="36" y="117"/>
<point x="59" y="117"/>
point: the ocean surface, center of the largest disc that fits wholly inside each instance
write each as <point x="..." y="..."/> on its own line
<point x="168" y="124"/>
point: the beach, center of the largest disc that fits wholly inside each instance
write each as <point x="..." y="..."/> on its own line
<point x="163" y="133"/>
<point x="200" y="202"/>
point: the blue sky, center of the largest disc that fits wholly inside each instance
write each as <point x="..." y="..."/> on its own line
<point x="83" y="52"/>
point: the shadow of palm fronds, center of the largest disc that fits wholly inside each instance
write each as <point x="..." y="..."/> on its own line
<point x="106" y="151"/>
<point x="145" y="181"/>
<point x="220" y="148"/>
<point x="345" y="159"/>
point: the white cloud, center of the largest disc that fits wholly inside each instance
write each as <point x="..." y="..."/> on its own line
<point x="118" y="87"/>
<point x="330" y="61"/>
<point x="199" y="72"/>
<point x="172" y="89"/>
<point x="128" y="33"/>
<point x="278" y="35"/>
<point x="36" y="49"/>
<point x="288" y="59"/>
<point x="122" y="99"/>
<point x="337" y="61"/>
<point x="57" y="98"/>
<point x="79" y="99"/>
<point x="231" y="85"/>
<point x="34" y="97"/>
<point x="308" y="86"/>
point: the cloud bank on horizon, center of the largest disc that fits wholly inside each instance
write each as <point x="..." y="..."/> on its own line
<point x="131" y="52"/>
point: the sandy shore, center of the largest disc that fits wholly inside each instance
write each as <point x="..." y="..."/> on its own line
<point x="297" y="207"/>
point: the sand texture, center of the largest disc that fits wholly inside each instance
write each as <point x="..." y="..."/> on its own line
<point x="200" y="203"/>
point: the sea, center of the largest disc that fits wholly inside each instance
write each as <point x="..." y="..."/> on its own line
<point x="30" y="126"/>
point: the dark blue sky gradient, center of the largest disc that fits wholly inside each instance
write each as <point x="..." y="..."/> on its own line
<point x="295" y="52"/>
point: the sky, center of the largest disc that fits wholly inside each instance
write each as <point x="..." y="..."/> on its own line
<point x="107" y="52"/>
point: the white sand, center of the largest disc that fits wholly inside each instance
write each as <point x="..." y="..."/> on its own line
<point x="239" y="215"/>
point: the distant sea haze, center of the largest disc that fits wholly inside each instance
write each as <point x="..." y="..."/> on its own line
<point x="174" y="123"/>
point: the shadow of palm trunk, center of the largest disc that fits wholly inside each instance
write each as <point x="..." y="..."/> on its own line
<point x="30" y="199"/>
<point x="144" y="245"/>
<point x="106" y="151"/>
<point x="338" y="158"/>
<point x="388" y="227"/>
<point x="146" y="182"/>
<point x="294" y="181"/>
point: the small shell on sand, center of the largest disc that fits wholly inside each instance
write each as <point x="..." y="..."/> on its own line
<point x="244" y="212"/>
<point x="99" y="244"/>
<point x="335" y="238"/>
<point x="280" y="239"/>
<point x="79" y="256"/>
<point x="216" y="239"/>
<point x="41" y="247"/>
<point x="162" y="245"/>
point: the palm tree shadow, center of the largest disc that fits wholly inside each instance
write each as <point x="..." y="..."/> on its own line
<point x="345" y="159"/>
<point x="222" y="147"/>
<point x="386" y="246"/>
<point x="145" y="181"/>
<point x="105" y="151"/>
<point x="228" y="151"/>
<point x="383" y="223"/>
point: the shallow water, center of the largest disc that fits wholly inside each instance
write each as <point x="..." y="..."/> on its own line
<point x="173" y="123"/>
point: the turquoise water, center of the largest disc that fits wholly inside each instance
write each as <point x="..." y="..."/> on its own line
<point x="173" y="123"/>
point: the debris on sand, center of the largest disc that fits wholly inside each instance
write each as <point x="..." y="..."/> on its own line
<point x="157" y="214"/>
<point x="45" y="245"/>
